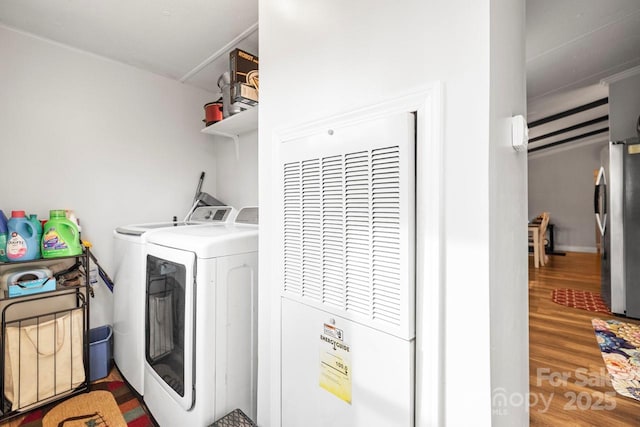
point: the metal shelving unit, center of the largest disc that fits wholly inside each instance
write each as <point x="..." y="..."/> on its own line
<point x="44" y="350"/>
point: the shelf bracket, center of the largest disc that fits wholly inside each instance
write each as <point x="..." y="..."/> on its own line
<point x="236" y="142"/>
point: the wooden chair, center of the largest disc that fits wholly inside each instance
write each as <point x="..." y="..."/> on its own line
<point x="538" y="239"/>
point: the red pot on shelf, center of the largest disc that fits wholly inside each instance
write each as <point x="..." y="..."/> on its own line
<point x="212" y="113"/>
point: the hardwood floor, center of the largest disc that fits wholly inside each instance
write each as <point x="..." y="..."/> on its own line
<point x="569" y="385"/>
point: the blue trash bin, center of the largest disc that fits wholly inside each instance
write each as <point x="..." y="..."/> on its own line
<point x="100" y="352"/>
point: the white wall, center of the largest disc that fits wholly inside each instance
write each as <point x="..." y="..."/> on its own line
<point x="561" y="183"/>
<point x="322" y="57"/>
<point x="561" y="177"/>
<point x="237" y="174"/>
<point x="116" y="144"/>
<point x="508" y="208"/>
<point x="624" y="107"/>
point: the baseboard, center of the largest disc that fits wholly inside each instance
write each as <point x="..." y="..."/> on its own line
<point x="585" y="249"/>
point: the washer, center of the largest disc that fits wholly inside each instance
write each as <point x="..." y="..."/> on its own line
<point x="128" y="292"/>
<point x="201" y="321"/>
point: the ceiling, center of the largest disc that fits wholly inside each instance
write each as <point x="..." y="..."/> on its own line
<point x="571" y="44"/>
<point x="186" y="40"/>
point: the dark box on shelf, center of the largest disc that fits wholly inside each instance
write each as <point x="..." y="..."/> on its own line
<point x="244" y="77"/>
<point x="244" y="94"/>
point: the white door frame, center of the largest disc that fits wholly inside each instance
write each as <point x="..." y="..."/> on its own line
<point x="427" y="103"/>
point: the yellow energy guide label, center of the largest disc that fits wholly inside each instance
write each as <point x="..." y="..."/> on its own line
<point x="335" y="365"/>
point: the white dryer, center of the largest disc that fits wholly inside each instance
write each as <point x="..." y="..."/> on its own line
<point x="201" y="321"/>
<point x="129" y="281"/>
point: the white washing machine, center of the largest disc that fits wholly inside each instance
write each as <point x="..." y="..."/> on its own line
<point x="129" y="281"/>
<point x="201" y="321"/>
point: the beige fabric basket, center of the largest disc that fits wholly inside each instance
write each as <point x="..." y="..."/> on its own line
<point x="44" y="360"/>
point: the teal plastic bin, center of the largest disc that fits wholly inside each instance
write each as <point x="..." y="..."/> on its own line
<point x="100" y="352"/>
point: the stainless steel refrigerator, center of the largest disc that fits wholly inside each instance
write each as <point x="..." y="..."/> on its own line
<point x="617" y="209"/>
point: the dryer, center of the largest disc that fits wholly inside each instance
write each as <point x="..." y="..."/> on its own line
<point x="201" y="321"/>
<point x="128" y="292"/>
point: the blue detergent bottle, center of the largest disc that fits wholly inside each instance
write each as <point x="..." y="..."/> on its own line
<point x="38" y="225"/>
<point x="3" y="237"/>
<point x="22" y="238"/>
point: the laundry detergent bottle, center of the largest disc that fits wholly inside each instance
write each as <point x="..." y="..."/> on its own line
<point x="60" y="236"/>
<point x="38" y="226"/>
<point x="3" y="237"/>
<point x="22" y="238"/>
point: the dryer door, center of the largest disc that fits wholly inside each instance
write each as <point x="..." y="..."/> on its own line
<point x="170" y="321"/>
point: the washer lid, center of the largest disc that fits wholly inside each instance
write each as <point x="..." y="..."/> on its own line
<point x="209" y="241"/>
<point x="140" y="229"/>
<point x="202" y="215"/>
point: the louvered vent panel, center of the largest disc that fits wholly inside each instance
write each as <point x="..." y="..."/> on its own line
<point x="311" y="231"/>
<point x="292" y="226"/>
<point x="342" y="234"/>
<point x="385" y="235"/>
<point x="333" y="231"/>
<point x="357" y="233"/>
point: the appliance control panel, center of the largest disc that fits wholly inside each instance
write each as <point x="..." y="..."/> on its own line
<point x="211" y="214"/>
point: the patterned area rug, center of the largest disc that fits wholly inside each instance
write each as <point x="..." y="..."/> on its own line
<point x="130" y="412"/>
<point x="620" y="347"/>
<point x="583" y="300"/>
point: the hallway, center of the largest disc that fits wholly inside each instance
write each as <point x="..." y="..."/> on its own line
<point x="568" y="380"/>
